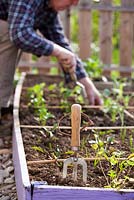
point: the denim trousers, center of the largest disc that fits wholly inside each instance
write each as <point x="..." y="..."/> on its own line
<point x="8" y="59"/>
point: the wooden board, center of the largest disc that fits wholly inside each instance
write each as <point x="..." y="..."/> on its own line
<point x="21" y="172"/>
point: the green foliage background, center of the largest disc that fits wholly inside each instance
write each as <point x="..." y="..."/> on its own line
<point x="95" y="32"/>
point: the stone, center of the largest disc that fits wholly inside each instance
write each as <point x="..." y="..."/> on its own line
<point x="1" y="176"/>
<point x="5" y="198"/>
<point x="1" y="143"/>
<point x="10" y="169"/>
<point x="7" y="164"/>
<point x="5" y="173"/>
<point x="9" y="180"/>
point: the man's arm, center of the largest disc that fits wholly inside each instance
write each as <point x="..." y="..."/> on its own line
<point x="21" y="22"/>
<point x="54" y="32"/>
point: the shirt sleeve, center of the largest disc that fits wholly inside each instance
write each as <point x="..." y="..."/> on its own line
<point x="55" y="33"/>
<point x="22" y="34"/>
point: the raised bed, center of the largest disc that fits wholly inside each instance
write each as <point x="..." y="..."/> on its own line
<point x="31" y="187"/>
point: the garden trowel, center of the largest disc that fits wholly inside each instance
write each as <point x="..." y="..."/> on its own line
<point x="83" y="91"/>
<point x="75" y="144"/>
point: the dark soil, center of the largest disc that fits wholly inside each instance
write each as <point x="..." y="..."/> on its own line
<point x="49" y="144"/>
<point x="40" y="146"/>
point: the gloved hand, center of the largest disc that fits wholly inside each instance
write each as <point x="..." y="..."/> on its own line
<point x="65" y="57"/>
<point x="93" y="94"/>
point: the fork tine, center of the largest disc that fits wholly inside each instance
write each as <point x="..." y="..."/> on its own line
<point x="74" y="175"/>
<point x="65" y="165"/>
<point x="82" y="162"/>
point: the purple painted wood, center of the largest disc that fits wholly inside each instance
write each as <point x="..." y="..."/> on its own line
<point x="23" y="184"/>
<point x="21" y="174"/>
<point x="76" y="193"/>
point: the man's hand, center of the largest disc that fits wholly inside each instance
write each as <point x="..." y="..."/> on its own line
<point x="68" y="62"/>
<point x="93" y="94"/>
<point x="65" y="57"/>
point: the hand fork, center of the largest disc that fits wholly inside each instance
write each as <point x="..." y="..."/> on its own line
<point x="75" y="144"/>
<point x="83" y="91"/>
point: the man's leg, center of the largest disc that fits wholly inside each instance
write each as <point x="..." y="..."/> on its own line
<point x="8" y="55"/>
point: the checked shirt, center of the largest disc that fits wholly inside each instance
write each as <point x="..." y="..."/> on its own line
<point x="25" y="17"/>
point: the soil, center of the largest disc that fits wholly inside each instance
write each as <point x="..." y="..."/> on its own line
<point x="54" y="143"/>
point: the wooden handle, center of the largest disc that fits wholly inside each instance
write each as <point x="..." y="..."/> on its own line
<point x="75" y="122"/>
<point x="73" y="76"/>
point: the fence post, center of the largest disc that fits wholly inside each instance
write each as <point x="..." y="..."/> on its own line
<point x="84" y="29"/>
<point x="25" y="59"/>
<point x="45" y="60"/>
<point x="126" y="37"/>
<point x="105" y="32"/>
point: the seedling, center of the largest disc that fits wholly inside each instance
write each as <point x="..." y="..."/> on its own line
<point x="92" y="66"/>
<point x="70" y="95"/>
<point x="38" y="102"/>
<point x="131" y="143"/>
<point x="119" y="169"/>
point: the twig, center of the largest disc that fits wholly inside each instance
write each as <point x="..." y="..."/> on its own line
<point x="62" y="160"/>
<point x="87" y="128"/>
<point x="129" y="114"/>
<point x="83" y="106"/>
<point x="103" y="172"/>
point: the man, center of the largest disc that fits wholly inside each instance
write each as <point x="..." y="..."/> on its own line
<point x="19" y="20"/>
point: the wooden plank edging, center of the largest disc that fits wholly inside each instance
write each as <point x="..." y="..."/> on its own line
<point x="21" y="172"/>
<point x="79" y="193"/>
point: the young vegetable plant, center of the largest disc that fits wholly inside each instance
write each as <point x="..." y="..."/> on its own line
<point x="131" y="142"/>
<point x="93" y="67"/>
<point x="67" y="94"/>
<point x="116" y="106"/>
<point x="35" y="94"/>
<point x="119" y="169"/>
<point x="118" y="92"/>
<point x="114" y="109"/>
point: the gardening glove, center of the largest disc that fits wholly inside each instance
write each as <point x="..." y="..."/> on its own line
<point x="93" y="94"/>
<point x="65" y="57"/>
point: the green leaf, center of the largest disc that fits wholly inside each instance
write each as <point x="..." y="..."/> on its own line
<point x="113" y="160"/>
<point x="94" y="146"/>
<point x="69" y="152"/>
<point x="112" y="174"/>
<point x="40" y="149"/>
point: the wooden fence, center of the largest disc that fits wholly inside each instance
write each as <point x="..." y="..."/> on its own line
<point x="106" y="10"/>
